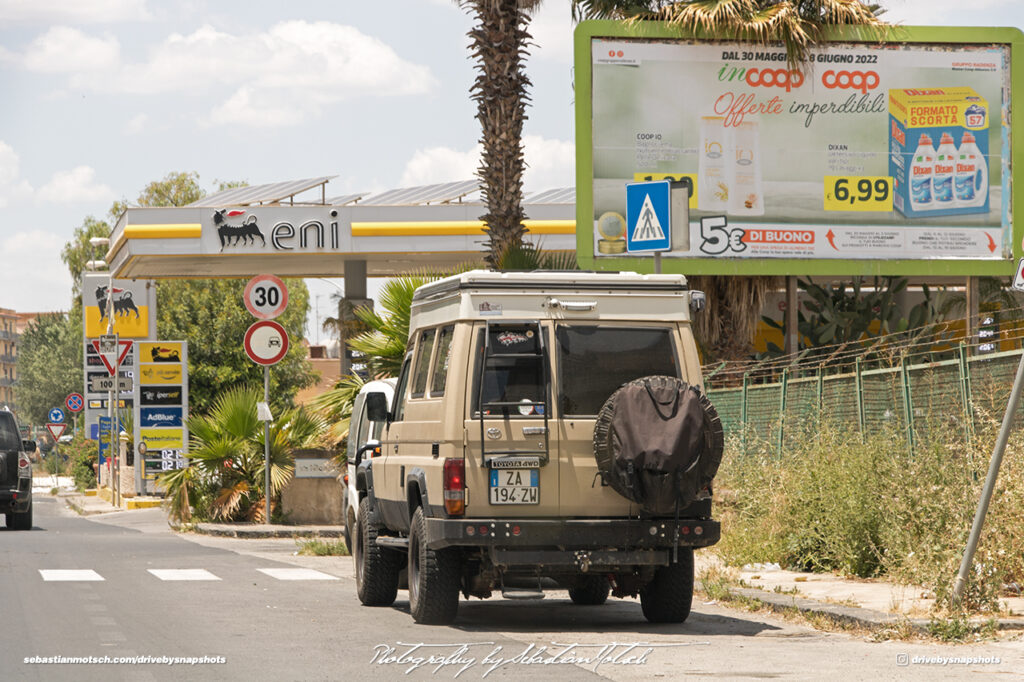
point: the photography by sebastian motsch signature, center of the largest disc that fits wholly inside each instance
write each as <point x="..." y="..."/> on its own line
<point x="462" y="656"/>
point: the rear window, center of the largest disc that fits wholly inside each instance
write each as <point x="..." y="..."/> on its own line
<point x="513" y="372"/>
<point x="9" y="437"/>
<point x="595" y="361"/>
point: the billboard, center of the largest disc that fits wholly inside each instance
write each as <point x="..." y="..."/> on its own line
<point x="876" y="158"/>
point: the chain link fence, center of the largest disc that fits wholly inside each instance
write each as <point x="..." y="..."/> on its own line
<point x="920" y="384"/>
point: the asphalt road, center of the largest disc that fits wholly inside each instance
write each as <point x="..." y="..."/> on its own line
<point x="229" y="600"/>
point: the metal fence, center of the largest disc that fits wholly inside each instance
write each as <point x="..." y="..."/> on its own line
<point x="778" y="405"/>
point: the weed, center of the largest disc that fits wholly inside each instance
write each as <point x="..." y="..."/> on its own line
<point x="716" y="582"/>
<point x="869" y="505"/>
<point x="959" y="628"/>
<point x="322" y="548"/>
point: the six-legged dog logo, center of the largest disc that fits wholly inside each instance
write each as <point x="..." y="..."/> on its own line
<point x="233" y="234"/>
<point x="122" y="301"/>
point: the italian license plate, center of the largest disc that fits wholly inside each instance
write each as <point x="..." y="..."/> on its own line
<point x="515" y="486"/>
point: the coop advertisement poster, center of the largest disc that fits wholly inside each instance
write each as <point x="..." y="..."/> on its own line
<point x="873" y="151"/>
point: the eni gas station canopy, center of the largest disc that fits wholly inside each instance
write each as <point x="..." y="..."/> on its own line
<point x="271" y="228"/>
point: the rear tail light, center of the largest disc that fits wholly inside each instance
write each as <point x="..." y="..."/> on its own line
<point x="455" y="486"/>
<point x="24" y="467"/>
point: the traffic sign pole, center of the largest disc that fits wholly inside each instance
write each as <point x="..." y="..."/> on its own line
<point x="266" y="343"/>
<point x="266" y="444"/>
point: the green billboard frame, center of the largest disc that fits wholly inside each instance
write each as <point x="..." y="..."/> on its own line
<point x="588" y="30"/>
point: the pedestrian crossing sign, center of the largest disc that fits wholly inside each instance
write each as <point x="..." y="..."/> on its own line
<point x="648" y="216"/>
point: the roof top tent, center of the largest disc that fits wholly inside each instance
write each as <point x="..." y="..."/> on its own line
<point x="486" y="295"/>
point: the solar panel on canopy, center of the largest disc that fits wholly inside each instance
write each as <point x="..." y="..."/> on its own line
<point x="261" y="194"/>
<point x="563" y="195"/>
<point x="345" y="199"/>
<point x="424" y="194"/>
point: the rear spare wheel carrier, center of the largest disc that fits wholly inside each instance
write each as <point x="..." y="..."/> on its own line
<point x="658" y="441"/>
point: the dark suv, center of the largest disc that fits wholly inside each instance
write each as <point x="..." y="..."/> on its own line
<point x="15" y="474"/>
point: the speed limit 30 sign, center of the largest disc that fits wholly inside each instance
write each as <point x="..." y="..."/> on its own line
<point x="265" y="296"/>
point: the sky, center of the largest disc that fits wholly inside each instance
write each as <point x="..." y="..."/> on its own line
<point x="100" y="97"/>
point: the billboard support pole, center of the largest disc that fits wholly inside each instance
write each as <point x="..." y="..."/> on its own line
<point x="990" y="484"/>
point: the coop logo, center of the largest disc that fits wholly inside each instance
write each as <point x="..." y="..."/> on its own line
<point x="850" y="80"/>
<point x="774" y="78"/>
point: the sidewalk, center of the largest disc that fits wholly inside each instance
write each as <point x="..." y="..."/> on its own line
<point x="871" y="604"/>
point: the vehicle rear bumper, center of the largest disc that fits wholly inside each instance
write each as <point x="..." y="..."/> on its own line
<point x="16" y="499"/>
<point x="571" y="535"/>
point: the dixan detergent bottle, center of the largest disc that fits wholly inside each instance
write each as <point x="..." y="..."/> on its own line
<point x="921" y="117"/>
<point x="945" y="169"/>
<point x="970" y="178"/>
<point x="922" y="171"/>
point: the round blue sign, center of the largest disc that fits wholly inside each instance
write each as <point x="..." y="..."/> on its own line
<point x="56" y="415"/>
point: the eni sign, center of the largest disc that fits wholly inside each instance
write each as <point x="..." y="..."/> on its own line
<point x="251" y="230"/>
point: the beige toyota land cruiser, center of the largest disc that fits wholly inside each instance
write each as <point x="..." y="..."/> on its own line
<point x="548" y="431"/>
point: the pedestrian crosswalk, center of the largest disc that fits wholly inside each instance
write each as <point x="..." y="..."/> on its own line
<point x="182" y="574"/>
<point x="66" y="576"/>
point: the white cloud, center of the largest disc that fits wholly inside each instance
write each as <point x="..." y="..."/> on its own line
<point x="273" y="78"/>
<point x="440" y="164"/>
<point x="256" y="111"/>
<point x="29" y="257"/>
<point x="551" y="28"/>
<point x="67" y="50"/>
<point x="76" y="185"/>
<point x="136" y="125"/>
<point x="11" y="184"/>
<point x="73" y="11"/>
<point x="549" y="164"/>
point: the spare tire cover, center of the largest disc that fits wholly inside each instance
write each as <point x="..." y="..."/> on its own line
<point x="658" y="441"/>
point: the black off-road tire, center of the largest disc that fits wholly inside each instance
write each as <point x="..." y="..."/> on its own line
<point x="20" y="521"/>
<point x="667" y="598"/>
<point x="590" y="590"/>
<point x="376" y="567"/>
<point x="435" y="577"/>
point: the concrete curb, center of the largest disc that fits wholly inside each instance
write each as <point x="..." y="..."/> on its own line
<point x="852" y="615"/>
<point x="255" y="531"/>
<point x="81" y="509"/>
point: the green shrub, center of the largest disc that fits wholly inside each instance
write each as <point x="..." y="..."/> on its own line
<point x="82" y="454"/>
<point x="870" y="507"/>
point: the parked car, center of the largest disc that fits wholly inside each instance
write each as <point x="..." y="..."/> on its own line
<point x="15" y="474"/>
<point x="363" y="441"/>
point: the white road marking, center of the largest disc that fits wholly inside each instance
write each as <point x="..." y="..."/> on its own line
<point x="58" y="575"/>
<point x="295" y="574"/>
<point x="182" y="574"/>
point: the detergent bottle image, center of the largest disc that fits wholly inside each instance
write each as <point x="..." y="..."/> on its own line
<point x="971" y="177"/>
<point x="714" y="170"/>
<point x="922" y="168"/>
<point x="942" y="179"/>
<point x="747" y="194"/>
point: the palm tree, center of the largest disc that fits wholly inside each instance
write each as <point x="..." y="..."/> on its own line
<point x="498" y="42"/>
<point x="734" y="304"/>
<point x="383" y="347"/>
<point x="225" y="475"/>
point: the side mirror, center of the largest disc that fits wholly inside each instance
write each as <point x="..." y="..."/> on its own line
<point x="372" y="446"/>
<point x="28" y="445"/>
<point x="697" y="301"/>
<point x="376" y="407"/>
